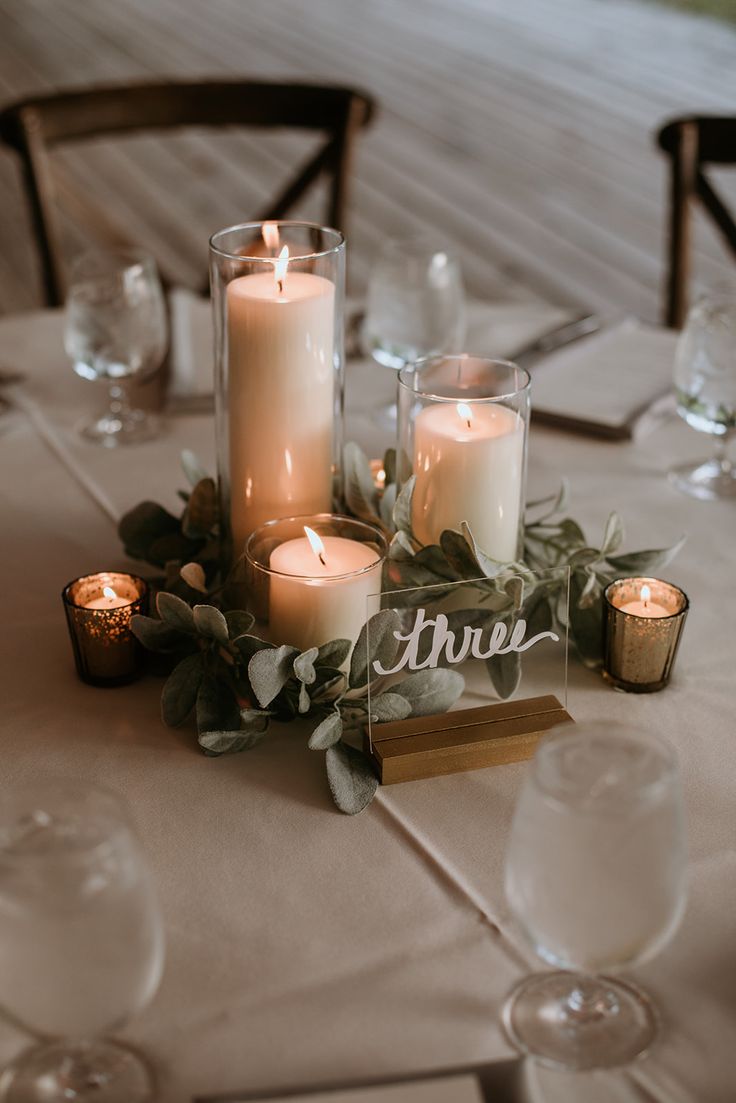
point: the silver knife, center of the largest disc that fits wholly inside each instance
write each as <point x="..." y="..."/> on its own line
<point x="556" y="338"/>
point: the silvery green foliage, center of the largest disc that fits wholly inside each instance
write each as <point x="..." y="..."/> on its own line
<point x="184" y="547"/>
<point x="235" y="683"/>
<point x="549" y="542"/>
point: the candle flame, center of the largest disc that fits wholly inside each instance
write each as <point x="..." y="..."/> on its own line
<point x="646" y="593"/>
<point x="271" y="236"/>
<point x="466" y="413"/>
<point x="279" y="268"/>
<point x="108" y="591"/>
<point x="316" y="544"/>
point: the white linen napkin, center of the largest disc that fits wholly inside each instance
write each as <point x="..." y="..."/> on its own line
<point x="616" y="383"/>
<point x="192" y="373"/>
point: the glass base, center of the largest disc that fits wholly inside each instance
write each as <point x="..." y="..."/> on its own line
<point x="124" y="427"/>
<point x="569" y="1021"/>
<point x="98" y="1072"/>
<point x="708" y="481"/>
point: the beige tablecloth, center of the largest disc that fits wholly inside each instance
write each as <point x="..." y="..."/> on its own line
<point x="302" y="944"/>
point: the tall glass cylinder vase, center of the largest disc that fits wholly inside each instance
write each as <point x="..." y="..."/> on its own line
<point x="277" y="293"/>
<point x="463" y="436"/>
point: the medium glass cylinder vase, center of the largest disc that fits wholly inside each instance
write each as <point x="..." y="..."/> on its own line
<point x="314" y="579"/>
<point x="277" y="293"/>
<point x="463" y="436"/>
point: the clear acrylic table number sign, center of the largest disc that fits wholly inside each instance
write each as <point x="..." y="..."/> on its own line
<point x="506" y="657"/>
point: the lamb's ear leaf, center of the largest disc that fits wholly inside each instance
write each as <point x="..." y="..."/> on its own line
<point x="431" y="691"/>
<point x="327" y="732"/>
<point x="351" y="778"/>
<point x="210" y="622"/>
<point x="402" y="508"/>
<point x="253" y="728"/>
<point x="179" y="694"/>
<point x="643" y="561"/>
<point x="360" y="491"/>
<point x="154" y="634"/>
<point x="269" y="670"/>
<point x="381" y="630"/>
<point x="174" y="611"/>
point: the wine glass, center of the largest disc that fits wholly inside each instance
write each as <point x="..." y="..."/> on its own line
<point x="116" y="330"/>
<point x="705" y="386"/>
<point x="595" y="875"/>
<point x="82" y="940"/>
<point x="415" y="305"/>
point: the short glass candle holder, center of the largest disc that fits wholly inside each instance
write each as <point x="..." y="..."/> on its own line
<point x="463" y="424"/>
<point x="277" y="297"/>
<point x="313" y="579"/>
<point x="643" y="623"/>
<point x="99" y="608"/>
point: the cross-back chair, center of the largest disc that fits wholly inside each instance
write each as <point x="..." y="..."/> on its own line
<point x="33" y="127"/>
<point x="692" y="144"/>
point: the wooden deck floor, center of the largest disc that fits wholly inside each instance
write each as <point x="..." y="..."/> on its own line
<point x="519" y="132"/>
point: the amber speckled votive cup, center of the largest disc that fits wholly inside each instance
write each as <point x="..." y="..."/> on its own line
<point x="99" y="608"/>
<point x="643" y="620"/>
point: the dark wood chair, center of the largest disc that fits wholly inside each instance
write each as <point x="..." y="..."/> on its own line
<point x="692" y="144"/>
<point x="33" y="127"/>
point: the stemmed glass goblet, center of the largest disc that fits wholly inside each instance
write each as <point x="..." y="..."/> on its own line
<point x="415" y="305"/>
<point x="705" y="386"/>
<point x="82" y="940"/>
<point x="116" y="330"/>
<point x="595" y="875"/>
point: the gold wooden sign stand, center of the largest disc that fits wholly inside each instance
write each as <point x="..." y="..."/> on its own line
<point x="469" y="739"/>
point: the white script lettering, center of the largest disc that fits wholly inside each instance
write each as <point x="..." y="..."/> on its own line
<point x="501" y="641"/>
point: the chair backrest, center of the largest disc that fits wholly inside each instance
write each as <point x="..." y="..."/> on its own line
<point x="35" y="126"/>
<point x="691" y="144"/>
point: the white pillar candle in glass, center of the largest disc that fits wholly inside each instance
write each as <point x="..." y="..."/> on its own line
<point x="320" y="589"/>
<point x="469" y="466"/>
<point x="314" y="579"/>
<point x="462" y="434"/>
<point x="280" y="328"/>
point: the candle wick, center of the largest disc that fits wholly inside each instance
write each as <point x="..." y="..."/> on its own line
<point x="281" y="286"/>
<point x="469" y="425"/>
<point x="322" y="559"/>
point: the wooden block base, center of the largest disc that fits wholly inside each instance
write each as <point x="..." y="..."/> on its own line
<point x="469" y="739"/>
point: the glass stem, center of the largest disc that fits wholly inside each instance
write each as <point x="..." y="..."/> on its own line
<point x="719" y="453"/>
<point x="589" y="1001"/>
<point x="119" y="402"/>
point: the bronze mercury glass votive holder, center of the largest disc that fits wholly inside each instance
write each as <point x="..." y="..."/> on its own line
<point x="643" y="622"/>
<point x="99" y="608"/>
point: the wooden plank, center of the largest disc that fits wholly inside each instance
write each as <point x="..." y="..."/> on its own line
<point x="522" y="132"/>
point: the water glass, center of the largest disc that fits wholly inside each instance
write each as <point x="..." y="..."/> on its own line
<point x="82" y="940"/>
<point x="116" y="331"/>
<point x="415" y="303"/>
<point x="595" y="876"/>
<point x="705" y="387"/>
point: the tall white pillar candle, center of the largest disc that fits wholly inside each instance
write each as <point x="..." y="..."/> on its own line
<point x="469" y="466"/>
<point x="281" y="397"/>
<point x="320" y="592"/>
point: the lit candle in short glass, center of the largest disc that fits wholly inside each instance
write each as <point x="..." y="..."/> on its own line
<point x="643" y="622"/>
<point x="462" y="435"/>
<point x="99" y="608"/>
<point x="313" y="578"/>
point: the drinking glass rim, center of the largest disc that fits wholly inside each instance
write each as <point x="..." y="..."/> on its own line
<point x="66" y="593"/>
<point x="223" y="254"/>
<point x="135" y="257"/>
<point x="645" y="579"/>
<point x="120" y="825"/>
<point x="425" y="361"/>
<point x="646" y="793"/>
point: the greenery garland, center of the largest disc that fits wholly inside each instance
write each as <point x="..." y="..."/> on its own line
<point x="236" y="683"/>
